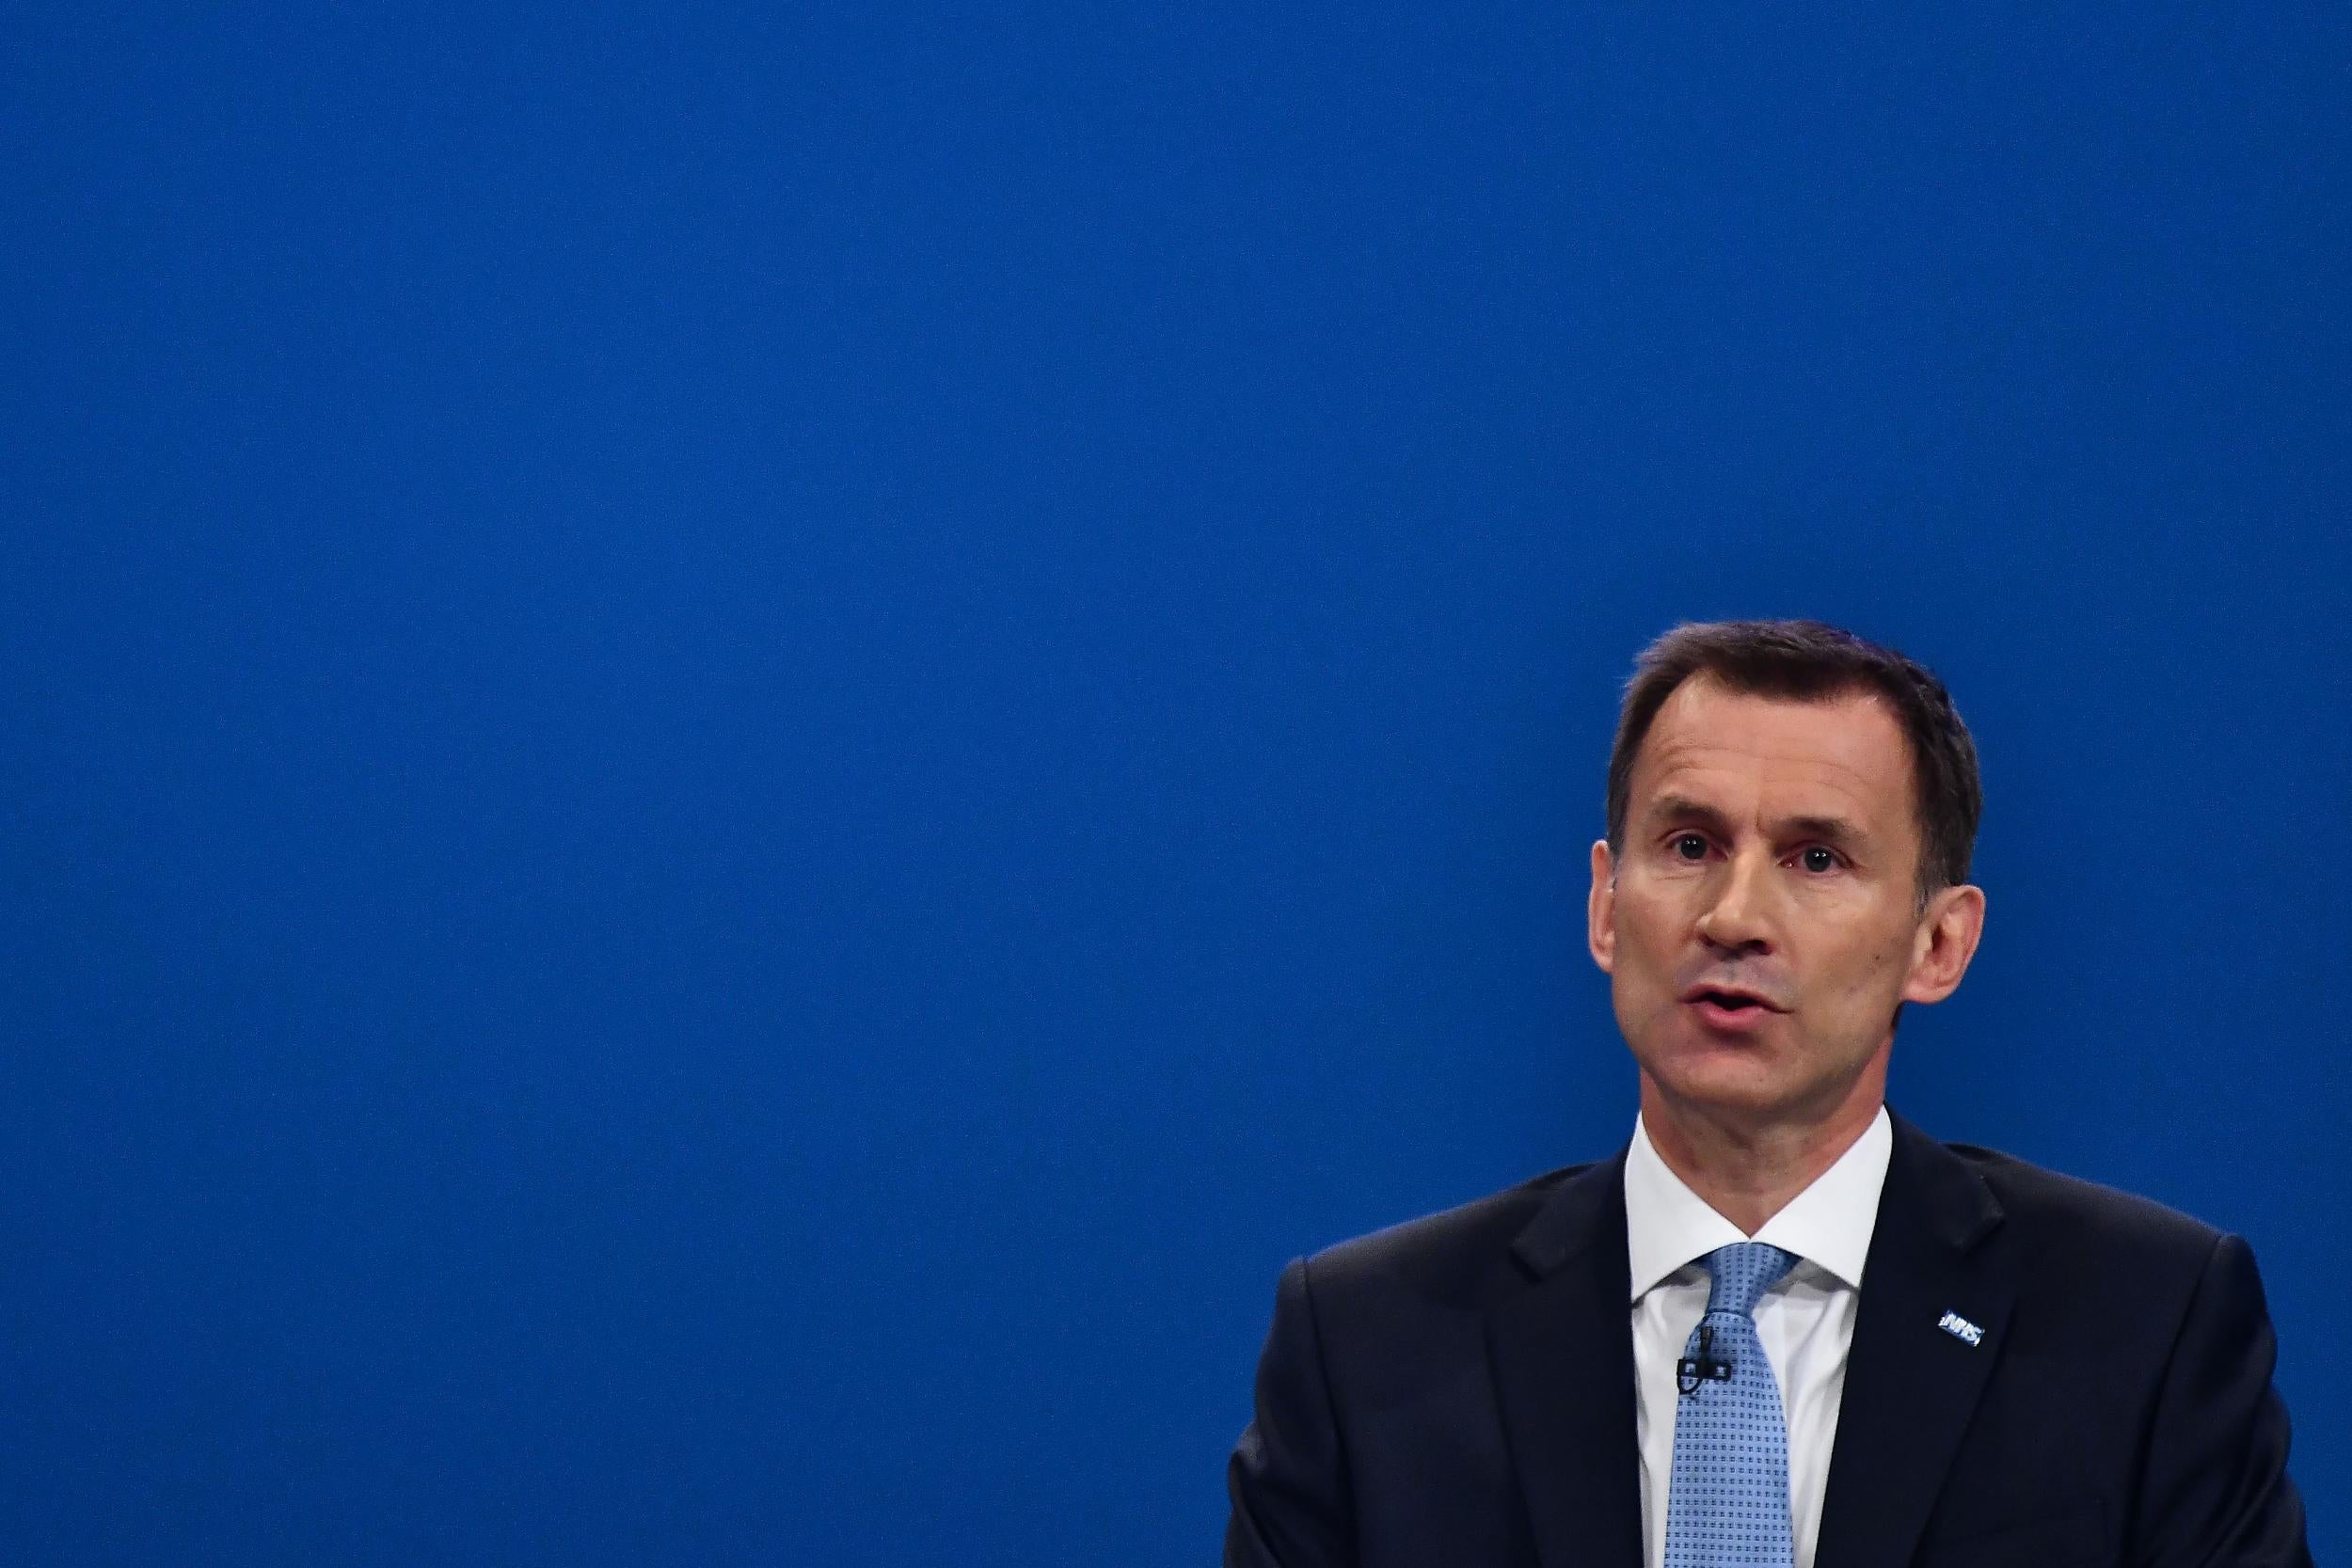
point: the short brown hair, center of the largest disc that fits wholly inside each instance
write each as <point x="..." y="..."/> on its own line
<point x="1811" y="661"/>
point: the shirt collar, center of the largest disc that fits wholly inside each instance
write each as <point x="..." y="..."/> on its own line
<point x="1828" y="1225"/>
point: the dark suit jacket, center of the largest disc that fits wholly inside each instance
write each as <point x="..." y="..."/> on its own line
<point x="1457" y="1392"/>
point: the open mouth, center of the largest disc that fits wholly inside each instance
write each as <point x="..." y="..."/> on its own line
<point x="1728" y="1002"/>
<point x="1727" y="1009"/>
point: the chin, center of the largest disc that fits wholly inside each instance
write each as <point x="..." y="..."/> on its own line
<point x="1731" y="1077"/>
<point x="1750" y="1093"/>
<point x="1742" y="1082"/>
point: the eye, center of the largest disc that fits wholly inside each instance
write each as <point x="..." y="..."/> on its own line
<point x="1819" y="859"/>
<point x="1690" y="847"/>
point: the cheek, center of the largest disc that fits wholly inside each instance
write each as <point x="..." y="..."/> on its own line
<point x="1872" y="969"/>
<point x="1643" y="946"/>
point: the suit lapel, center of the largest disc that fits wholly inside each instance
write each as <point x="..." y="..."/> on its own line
<point x="1563" y="1354"/>
<point x="1911" y="1384"/>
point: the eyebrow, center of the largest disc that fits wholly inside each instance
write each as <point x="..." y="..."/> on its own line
<point x="1829" y="829"/>
<point x="1834" y="830"/>
<point x="1679" y="808"/>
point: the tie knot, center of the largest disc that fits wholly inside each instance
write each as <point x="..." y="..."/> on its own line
<point x="1743" y="1271"/>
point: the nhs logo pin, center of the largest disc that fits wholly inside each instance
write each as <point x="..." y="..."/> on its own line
<point x="1960" y="1328"/>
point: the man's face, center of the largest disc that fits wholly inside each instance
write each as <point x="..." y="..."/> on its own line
<point x="1772" y="847"/>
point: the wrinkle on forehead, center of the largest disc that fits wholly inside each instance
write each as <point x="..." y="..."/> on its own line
<point x="1855" y="788"/>
<point x="1846" y="756"/>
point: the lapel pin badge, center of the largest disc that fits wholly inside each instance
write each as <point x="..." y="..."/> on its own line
<point x="1960" y="1328"/>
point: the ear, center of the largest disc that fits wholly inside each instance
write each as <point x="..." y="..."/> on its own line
<point x="1600" y="910"/>
<point x="1945" y="942"/>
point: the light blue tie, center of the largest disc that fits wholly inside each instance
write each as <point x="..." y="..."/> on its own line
<point x="1728" y="1505"/>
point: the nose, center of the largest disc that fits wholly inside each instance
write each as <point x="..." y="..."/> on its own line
<point x="1736" y="918"/>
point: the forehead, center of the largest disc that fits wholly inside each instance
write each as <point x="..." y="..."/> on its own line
<point x="1845" y="756"/>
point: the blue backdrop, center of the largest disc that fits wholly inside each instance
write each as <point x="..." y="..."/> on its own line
<point x="744" y="751"/>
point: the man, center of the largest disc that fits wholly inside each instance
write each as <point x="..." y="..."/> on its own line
<point x="1782" y="1326"/>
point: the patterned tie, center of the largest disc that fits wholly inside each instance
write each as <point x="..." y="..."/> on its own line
<point x="1727" y="1504"/>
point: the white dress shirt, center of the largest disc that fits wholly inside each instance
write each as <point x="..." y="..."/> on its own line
<point x="1805" y="1322"/>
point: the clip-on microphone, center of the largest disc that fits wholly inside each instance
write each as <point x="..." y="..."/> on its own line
<point x="1694" y="1370"/>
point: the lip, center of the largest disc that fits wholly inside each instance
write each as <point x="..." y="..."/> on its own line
<point x="1729" y="1021"/>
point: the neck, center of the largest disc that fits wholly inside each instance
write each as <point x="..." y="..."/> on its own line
<point x="1745" y="1169"/>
